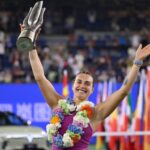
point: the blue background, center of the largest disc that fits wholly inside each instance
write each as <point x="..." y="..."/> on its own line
<point x="31" y="94"/>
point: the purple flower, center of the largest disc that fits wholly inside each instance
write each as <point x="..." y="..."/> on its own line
<point x="79" y="124"/>
<point x="58" y="110"/>
<point x="70" y="101"/>
<point x="58" y="140"/>
<point x="60" y="115"/>
<point x="75" y="129"/>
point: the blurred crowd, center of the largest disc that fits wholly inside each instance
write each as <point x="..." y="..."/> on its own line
<point x="100" y="39"/>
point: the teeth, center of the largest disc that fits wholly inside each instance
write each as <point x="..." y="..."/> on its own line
<point x="81" y="91"/>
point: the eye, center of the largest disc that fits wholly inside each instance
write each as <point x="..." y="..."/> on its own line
<point x="79" y="81"/>
<point x="87" y="83"/>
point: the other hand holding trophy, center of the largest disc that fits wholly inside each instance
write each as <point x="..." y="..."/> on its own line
<point x="31" y="25"/>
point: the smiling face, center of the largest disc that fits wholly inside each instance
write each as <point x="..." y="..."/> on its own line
<point x="82" y="86"/>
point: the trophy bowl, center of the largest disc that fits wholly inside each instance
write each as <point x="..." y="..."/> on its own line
<point x="25" y="41"/>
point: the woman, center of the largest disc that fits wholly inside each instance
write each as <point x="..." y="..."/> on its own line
<point x="82" y="88"/>
<point x="74" y="121"/>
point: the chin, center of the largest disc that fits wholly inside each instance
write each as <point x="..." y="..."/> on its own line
<point x="81" y="98"/>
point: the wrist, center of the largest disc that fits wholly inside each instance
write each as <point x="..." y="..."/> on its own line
<point x="138" y="62"/>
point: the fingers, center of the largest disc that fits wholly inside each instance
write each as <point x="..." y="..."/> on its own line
<point x="142" y="52"/>
<point x="22" y="27"/>
<point x="147" y="47"/>
<point x="140" y="47"/>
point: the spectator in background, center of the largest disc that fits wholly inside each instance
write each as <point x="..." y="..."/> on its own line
<point x="70" y="24"/>
<point x="2" y="47"/>
<point x="108" y="42"/>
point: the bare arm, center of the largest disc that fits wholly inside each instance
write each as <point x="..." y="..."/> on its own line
<point x="46" y="87"/>
<point x="102" y="110"/>
<point x="106" y="108"/>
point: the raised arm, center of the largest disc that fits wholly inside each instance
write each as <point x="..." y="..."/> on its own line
<point x="27" y="41"/>
<point x="102" y="110"/>
<point x="45" y="85"/>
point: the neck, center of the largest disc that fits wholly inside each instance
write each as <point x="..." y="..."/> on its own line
<point x="78" y="101"/>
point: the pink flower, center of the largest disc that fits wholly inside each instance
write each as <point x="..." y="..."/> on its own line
<point x="58" y="109"/>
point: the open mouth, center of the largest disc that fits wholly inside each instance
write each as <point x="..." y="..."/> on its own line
<point x="82" y="91"/>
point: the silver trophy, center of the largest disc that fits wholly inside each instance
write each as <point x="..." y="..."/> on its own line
<point x="31" y="24"/>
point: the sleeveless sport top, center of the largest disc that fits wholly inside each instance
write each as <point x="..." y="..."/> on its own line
<point x="83" y="143"/>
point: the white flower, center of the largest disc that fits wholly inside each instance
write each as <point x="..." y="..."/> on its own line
<point x="50" y="137"/>
<point x="62" y="101"/>
<point x="85" y="103"/>
<point x="67" y="140"/>
<point x="51" y="129"/>
<point x="72" y="108"/>
<point x="47" y="127"/>
<point x="58" y="125"/>
<point x="80" y="119"/>
<point x="84" y="121"/>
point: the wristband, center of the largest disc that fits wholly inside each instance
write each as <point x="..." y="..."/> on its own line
<point x="138" y="63"/>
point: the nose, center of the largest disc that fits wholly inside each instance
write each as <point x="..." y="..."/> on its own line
<point x="82" y="85"/>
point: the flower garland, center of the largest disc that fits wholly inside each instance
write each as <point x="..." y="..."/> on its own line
<point x="74" y="130"/>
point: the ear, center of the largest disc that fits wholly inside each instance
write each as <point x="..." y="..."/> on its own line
<point x="72" y="84"/>
<point x="92" y="89"/>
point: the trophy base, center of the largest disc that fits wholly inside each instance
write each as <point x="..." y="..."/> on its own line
<point x="24" y="44"/>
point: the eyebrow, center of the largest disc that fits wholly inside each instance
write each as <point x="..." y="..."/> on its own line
<point x="79" y="80"/>
<point x="84" y="81"/>
<point x="87" y="81"/>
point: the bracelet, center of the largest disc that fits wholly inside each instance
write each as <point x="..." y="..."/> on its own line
<point x="138" y="63"/>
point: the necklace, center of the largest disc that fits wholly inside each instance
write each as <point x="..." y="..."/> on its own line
<point x="84" y="112"/>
